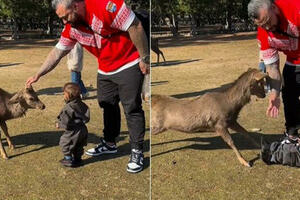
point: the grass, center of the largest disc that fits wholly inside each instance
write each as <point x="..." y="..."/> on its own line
<point x="33" y="172"/>
<point x="201" y="165"/>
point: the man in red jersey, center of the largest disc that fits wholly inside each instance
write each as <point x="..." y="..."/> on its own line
<point x="110" y="31"/>
<point x="278" y="30"/>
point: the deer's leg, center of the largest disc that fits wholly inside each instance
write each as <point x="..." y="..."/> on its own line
<point x="2" y="150"/>
<point x="227" y="138"/>
<point x="238" y="128"/>
<point x="5" y="131"/>
<point x="157" y="53"/>
<point x="157" y="130"/>
<point x="163" y="56"/>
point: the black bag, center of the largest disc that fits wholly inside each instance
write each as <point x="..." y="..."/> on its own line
<point x="285" y="153"/>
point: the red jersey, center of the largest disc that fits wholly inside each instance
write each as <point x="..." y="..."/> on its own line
<point x="106" y="37"/>
<point x="271" y="43"/>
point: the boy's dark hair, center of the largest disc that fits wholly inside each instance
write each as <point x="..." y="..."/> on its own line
<point x="73" y="90"/>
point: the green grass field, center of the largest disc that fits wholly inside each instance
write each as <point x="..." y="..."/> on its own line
<point x="201" y="165"/>
<point x="33" y="172"/>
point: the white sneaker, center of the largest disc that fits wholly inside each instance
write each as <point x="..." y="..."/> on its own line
<point x="135" y="163"/>
<point x="102" y="148"/>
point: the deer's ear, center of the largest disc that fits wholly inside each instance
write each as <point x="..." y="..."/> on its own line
<point x="28" y="88"/>
<point x="15" y="99"/>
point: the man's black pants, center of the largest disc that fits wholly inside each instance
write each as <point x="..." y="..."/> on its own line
<point x="290" y="97"/>
<point x="125" y="86"/>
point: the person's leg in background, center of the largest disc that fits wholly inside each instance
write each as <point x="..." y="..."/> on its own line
<point x="76" y="78"/>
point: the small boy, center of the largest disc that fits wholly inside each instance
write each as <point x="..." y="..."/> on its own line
<point x="73" y="118"/>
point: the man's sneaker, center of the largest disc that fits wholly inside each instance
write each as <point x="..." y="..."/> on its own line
<point x="101" y="148"/>
<point x="67" y="161"/>
<point x="265" y="152"/>
<point x="135" y="163"/>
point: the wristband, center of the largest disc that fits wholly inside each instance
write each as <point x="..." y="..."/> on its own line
<point x="146" y="59"/>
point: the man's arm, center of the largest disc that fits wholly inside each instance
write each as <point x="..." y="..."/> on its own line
<point x="273" y="71"/>
<point x="139" y="39"/>
<point x="50" y="63"/>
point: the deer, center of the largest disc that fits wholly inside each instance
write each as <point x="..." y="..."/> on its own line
<point x="155" y="48"/>
<point x="212" y="112"/>
<point x="13" y="106"/>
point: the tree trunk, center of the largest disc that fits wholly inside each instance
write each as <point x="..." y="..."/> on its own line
<point x="50" y="25"/>
<point x="15" y="32"/>
<point x="229" y="15"/>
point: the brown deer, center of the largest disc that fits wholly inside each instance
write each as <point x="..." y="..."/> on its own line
<point x="13" y="106"/>
<point x="155" y="48"/>
<point x="213" y="111"/>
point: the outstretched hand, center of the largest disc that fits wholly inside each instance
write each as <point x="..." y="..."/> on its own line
<point x="274" y="104"/>
<point x="32" y="80"/>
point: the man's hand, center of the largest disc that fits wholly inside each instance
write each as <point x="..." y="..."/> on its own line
<point x="275" y="84"/>
<point x="274" y="103"/>
<point x="32" y="80"/>
<point x="146" y="93"/>
<point x="56" y="125"/>
<point x="145" y="68"/>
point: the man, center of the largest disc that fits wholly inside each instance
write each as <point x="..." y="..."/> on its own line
<point x="110" y="31"/>
<point x="278" y="30"/>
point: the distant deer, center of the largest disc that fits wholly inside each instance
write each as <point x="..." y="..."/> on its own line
<point x="13" y="106"/>
<point x="155" y="48"/>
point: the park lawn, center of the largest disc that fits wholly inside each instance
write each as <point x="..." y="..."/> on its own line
<point x="33" y="172"/>
<point x="201" y="165"/>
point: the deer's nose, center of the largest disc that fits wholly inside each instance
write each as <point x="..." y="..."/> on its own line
<point x="43" y="107"/>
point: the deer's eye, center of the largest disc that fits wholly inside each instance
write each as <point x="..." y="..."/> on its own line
<point x="31" y="98"/>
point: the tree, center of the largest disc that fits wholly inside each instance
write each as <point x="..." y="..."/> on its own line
<point x="28" y="13"/>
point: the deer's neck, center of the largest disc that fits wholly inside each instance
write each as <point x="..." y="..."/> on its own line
<point x="17" y="110"/>
<point x="238" y="96"/>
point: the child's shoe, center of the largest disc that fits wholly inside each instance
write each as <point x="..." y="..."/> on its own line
<point x="67" y="161"/>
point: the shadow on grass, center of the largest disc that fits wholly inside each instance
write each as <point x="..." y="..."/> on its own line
<point x="194" y="94"/>
<point x="155" y="83"/>
<point x="213" y="143"/>
<point x="51" y="139"/>
<point x="173" y="62"/>
<point x="27" y="43"/>
<point x="204" y="39"/>
<point x="59" y="91"/>
<point x="9" y="64"/>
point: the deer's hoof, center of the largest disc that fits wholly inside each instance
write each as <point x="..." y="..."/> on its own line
<point x="5" y="158"/>
<point x="248" y="164"/>
<point x="12" y="146"/>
